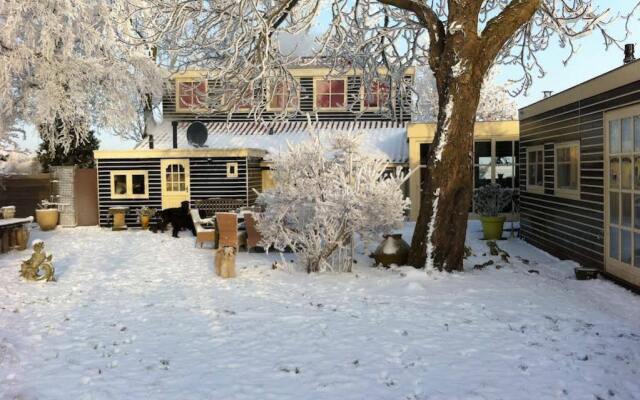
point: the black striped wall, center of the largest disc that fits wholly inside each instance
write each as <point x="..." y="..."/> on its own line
<point x="402" y="111"/>
<point x="152" y="165"/>
<point x="208" y="178"/>
<point x="568" y="228"/>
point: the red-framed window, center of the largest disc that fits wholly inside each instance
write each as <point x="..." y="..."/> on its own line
<point x="192" y="94"/>
<point x="331" y="93"/>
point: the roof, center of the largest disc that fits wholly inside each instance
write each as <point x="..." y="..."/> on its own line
<point x="388" y="138"/>
<point x="623" y="75"/>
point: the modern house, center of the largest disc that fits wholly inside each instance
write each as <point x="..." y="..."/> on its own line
<point x="580" y="190"/>
<point x="194" y="154"/>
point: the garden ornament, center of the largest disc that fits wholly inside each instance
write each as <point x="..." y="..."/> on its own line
<point x="38" y="267"/>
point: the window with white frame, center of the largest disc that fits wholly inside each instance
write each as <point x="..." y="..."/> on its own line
<point x="535" y="169"/>
<point x="567" y="168"/>
<point x="129" y="185"/>
<point x="376" y="96"/>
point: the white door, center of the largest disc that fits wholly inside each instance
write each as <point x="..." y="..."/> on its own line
<point x="175" y="182"/>
<point x="622" y="194"/>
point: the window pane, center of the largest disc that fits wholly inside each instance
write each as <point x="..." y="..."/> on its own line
<point x="625" y="248"/>
<point x="539" y="175"/>
<point x="504" y="153"/>
<point x="614" y="208"/>
<point x="504" y="175"/>
<point x="626" y="173"/>
<point x="323" y="87"/>
<point x="482" y="176"/>
<point x="637" y="173"/>
<point x="564" y="176"/>
<point x="613" y="242"/>
<point x="337" y="86"/>
<point x="337" y="101"/>
<point x="517" y="177"/>
<point x="637" y="211"/>
<point x="200" y="94"/>
<point x="627" y="135"/>
<point x="614" y="137"/>
<point x="324" y="100"/>
<point x="636" y="255"/>
<point x="137" y="184"/>
<point x="531" y="174"/>
<point x="637" y="133"/>
<point x="614" y="173"/>
<point x="120" y="184"/>
<point x="482" y="154"/>
<point x="625" y="207"/>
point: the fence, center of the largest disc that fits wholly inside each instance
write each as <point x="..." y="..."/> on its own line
<point x="24" y="192"/>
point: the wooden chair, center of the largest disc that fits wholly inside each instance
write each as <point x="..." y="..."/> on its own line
<point x="227" y="228"/>
<point x="202" y="234"/>
<point x="254" y="238"/>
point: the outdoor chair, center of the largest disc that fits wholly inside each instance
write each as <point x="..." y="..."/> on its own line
<point x="209" y="207"/>
<point x="254" y="238"/>
<point x="228" y="234"/>
<point x="202" y="234"/>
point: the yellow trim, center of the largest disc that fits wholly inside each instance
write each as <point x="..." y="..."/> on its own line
<point x="424" y="132"/>
<point x="308" y="72"/>
<point x="180" y="80"/>
<point x="392" y="98"/>
<point x="129" y="184"/>
<point x="620" y="76"/>
<point x="269" y="97"/>
<point x="315" y="94"/>
<point x="177" y="153"/>
<point x="563" y="192"/>
<point x="233" y="165"/>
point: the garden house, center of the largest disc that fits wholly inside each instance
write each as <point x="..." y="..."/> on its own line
<point x="580" y="197"/>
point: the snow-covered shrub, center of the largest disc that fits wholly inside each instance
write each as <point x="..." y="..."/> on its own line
<point x="491" y="199"/>
<point x="326" y="192"/>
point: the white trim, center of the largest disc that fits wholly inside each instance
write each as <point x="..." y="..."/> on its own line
<point x="232" y="170"/>
<point x="565" y="192"/>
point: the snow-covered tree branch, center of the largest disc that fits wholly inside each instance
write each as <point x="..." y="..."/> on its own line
<point x="65" y="69"/>
<point x="328" y="190"/>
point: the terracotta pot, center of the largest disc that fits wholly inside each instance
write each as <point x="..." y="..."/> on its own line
<point x="144" y="221"/>
<point x="492" y="227"/>
<point x="47" y="218"/>
<point x="392" y="250"/>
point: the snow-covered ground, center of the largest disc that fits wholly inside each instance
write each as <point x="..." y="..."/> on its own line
<point x="136" y="315"/>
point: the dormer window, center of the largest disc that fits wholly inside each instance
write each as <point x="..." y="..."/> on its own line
<point x="330" y="94"/>
<point x="245" y="103"/>
<point x="376" y="97"/>
<point x="283" y="97"/>
<point x="191" y="95"/>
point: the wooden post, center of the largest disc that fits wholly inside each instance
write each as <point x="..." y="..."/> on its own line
<point x="22" y="238"/>
<point x="4" y="240"/>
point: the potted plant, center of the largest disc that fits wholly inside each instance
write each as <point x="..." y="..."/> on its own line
<point x="144" y="216"/>
<point x="47" y="215"/>
<point x="490" y="201"/>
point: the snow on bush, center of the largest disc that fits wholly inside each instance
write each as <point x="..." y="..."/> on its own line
<point x="326" y="192"/>
<point x="491" y="199"/>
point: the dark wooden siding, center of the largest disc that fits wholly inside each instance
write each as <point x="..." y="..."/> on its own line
<point x="568" y="228"/>
<point x="209" y="178"/>
<point x="254" y="179"/>
<point x="152" y="165"/>
<point x="402" y="111"/>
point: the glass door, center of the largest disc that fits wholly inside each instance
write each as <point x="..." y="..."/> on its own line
<point x="622" y="195"/>
<point x="175" y="182"/>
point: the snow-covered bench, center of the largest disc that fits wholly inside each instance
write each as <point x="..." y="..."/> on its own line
<point x="13" y="233"/>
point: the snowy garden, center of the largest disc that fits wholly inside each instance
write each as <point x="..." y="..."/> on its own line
<point x="138" y="315"/>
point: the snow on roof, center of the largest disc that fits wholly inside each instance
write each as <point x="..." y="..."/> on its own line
<point x="388" y="138"/>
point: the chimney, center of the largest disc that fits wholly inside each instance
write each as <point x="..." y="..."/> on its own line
<point x="546" y="93"/>
<point x="629" y="50"/>
<point x="150" y="142"/>
<point x="174" y="124"/>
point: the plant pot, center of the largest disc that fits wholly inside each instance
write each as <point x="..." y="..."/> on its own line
<point x="8" y="212"/>
<point x="583" y="274"/>
<point x="392" y="250"/>
<point x="144" y="221"/>
<point x="492" y="227"/>
<point x="47" y="218"/>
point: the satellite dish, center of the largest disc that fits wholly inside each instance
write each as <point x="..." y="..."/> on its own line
<point x="197" y="134"/>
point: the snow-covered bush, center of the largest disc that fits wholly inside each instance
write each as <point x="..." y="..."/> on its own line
<point x="491" y="199"/>
<point x="327" y="190"/>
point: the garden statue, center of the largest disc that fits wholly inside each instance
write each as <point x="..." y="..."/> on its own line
<point x="38" y="267"/>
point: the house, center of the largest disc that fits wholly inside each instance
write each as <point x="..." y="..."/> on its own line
<point x="580" y="190"/>
<point x="194" y="154"/>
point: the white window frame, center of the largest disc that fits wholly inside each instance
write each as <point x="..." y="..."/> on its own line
<point x="290" y="107"/>
<point x="315" y="94"/>
<point x="564" y="192"/>
<point x="129" y="182"/>
<point x="529" y="187"/>
<point x="233" y="174"/>
<point x="177" y="99"/>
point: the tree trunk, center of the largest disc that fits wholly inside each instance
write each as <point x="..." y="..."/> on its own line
<point x="439" y="236"/>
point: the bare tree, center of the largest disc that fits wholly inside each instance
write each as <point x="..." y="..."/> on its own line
<point x="460" y="40"/>
<point x="65" y="69"/>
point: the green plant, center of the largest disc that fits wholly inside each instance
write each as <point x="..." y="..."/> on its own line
<point x="491" y="199"/>
<point x="80" y="154"/>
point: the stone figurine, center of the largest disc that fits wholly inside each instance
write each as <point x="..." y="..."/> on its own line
<point x="38" y="267"/>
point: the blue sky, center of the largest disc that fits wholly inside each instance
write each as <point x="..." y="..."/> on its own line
<point x="591" y="60"/>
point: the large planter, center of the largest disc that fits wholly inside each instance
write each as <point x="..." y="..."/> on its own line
<point x="47" y="218"/>
<point x="392" y="250"/>
<point x="144" y="221"/>
<point x="492" y="227"/>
